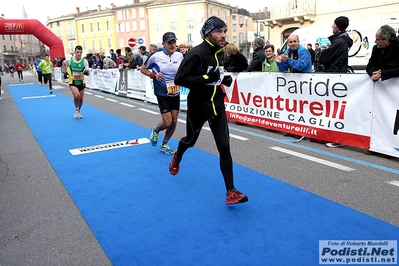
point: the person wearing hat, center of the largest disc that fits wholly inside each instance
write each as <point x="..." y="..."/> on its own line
<point x="201" y="71"/>
<point x="258" y="55"/>
<point x="161" y="67"/>
<point x="335" y="57"/>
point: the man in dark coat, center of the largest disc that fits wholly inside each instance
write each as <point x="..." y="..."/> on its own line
<point x="335" y="57"/>
<point x="384" y="61"/>
<point x="258" y="55"/>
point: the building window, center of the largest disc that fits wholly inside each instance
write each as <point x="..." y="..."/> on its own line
<point x="234" y="39"/>
<point x="173" y="26"/>
<point x="173" y="12"/>
<point x="107" y="25"/>
<point x="70" y="31"/>
<point x="189" y="37"/>
<point x="142" y="25"/>
<point x="210" y="10"/>
<point x="133" y="13"/>
<point x="127" y="27"/>
<point x="5" y="48"/>
<point x="91" y="27"/>
<point x="141" y="12"/>
<point x="158" y="27"/>
<point x="190" y="24"/>
<point x="93" y="45"/>
<point x="126" y="14"/>
<point x="134" y="25"/>
<point x="84" y="44"/>
<point x="109" y="42"/>
<point x="100" y="45"/>
<point x="72" y="47"/>
<point x="119" y="15"/>
<point x="219" y="12"/>
<point x="98" y="26"/>
<point x="234" y="27"/>
<point x="58" y="23"/>
<point x="234" y="17"/>
<point x="83" y="28"/>
<point x="120" y="27"/>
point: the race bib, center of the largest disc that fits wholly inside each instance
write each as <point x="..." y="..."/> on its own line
<point x="172" y="88"/>
<point x="77" y="76"/>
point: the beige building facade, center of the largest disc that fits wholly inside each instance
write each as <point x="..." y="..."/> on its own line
<point x="288" y="15"/>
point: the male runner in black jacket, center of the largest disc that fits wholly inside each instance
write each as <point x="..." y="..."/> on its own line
<point x="200" y="72"/>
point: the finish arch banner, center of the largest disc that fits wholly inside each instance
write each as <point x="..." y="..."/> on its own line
<point x="327" y="107"/>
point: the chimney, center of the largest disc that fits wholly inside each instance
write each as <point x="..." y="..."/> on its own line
<point x="78" y="10"/>
<point x="99" y="7"/>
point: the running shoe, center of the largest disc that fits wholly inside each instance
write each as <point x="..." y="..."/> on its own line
<point x="80" y="115"/>
<point x="154" y="136"/>
<point x="166" y="149"/>
<point x="174" y="165"/>
<point x="75" y="113"/>
<point x="234" y="197"/>
<point x="1" y="99"/>
<point x="51" y="91"/>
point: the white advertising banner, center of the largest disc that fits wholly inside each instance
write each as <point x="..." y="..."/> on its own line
<point x="328" y="107"/>
<point x="385" y="125"/>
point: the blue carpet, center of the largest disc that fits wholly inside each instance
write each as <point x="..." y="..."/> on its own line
<point x="142" y="215"/>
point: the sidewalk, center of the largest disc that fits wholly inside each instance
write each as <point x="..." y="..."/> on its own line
<point x="40" y="224"/>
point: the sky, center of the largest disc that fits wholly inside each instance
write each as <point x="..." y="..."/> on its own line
<point x="54" y="9"/>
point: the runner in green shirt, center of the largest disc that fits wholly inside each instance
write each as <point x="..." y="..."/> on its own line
<point x="76" y="67"/>
<point x="47" y="67"/>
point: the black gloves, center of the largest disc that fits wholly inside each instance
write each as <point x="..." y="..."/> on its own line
<point x="227" y="80"/>
<point x="65" y="75"/>
<point x="213" y="75"/>
<point x="86" y="72"/>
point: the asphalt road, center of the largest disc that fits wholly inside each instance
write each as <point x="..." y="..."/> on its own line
<point x="28" y="207"/>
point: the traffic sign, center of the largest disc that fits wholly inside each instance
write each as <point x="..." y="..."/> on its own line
<point x="132" y="42"/>
<point x="140" y="41"/>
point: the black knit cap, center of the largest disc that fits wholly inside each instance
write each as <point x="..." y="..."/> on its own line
<point x="342" y="22"/>
<point x="211" y="25"/>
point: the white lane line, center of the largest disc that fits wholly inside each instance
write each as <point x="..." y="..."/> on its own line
<point x="126" y="104"/>
<point x="314" y="159"/>
<point x="99" y="96"/>
<point x="394" y="182"/>
<point x="111" y="100"/>
<point x="148" y="111"/>
<point x="209" y="129"/>
<point x="88" y="93"/>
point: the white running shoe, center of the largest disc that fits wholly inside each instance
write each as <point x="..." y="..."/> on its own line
<point x="76" y="113"/>
<point x="80" y="115"/>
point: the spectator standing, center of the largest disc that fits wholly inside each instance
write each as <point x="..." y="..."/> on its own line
<point x="258" y="55"/>
<point x="118" y="58"/>
<point x="200" y="72"/>
<point x="108" y="63"/>
<point x="296" y="58"/>
<point x="144" y="53"/>
<point x="153" y="48"/>
<point x="113" y="55"/>
<point x="161" y="67"/>
<point x="316" y="64"/>
<point x="234" y="60"/>
<point x="311" y="51"/>
<point x="183" y="49"/>
<point x="384" y="61"/>
<point x="335" y="57"/>
<point x="47" y="68"/>
<point x="269" y="65"/>
<point x="20" y="68"/>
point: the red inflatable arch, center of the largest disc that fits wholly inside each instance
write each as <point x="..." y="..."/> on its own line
<point x="36" y="28"/>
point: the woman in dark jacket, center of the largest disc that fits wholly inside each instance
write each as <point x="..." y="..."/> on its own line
<point x="234" y="60"/>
